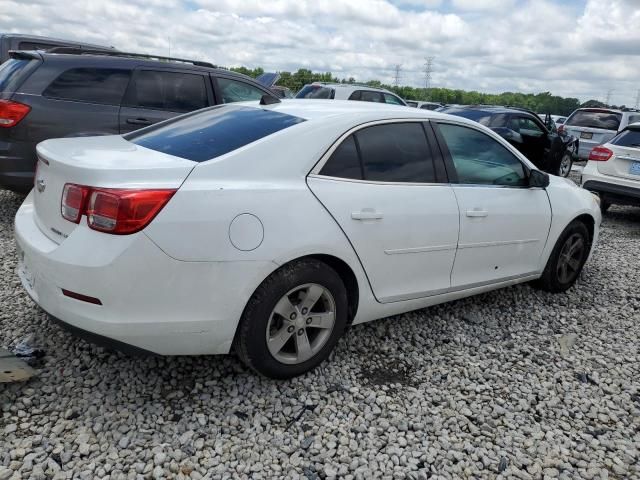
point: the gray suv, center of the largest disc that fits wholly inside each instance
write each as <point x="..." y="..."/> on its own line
<point x="67" y="92"/>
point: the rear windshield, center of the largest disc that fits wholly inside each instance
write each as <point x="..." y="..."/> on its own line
<point x="212" y="132"/>
<point x="628" y="138"/>
<point x="315" y="91"/>
<point x="10" y="73"/>
<point x="595" y="119"/>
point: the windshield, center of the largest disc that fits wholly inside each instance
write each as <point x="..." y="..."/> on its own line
<point x="628" y="138"/>
<point x="595" y="119"/>
<point x="212" y="132"/>
<point x="477" y="115"/>
<point x="315" y="91"/>
<point x="10" y="73"/>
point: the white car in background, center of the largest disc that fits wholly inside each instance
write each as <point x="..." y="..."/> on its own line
<point x="613" y="169"/>
<point x="595" y="126"/>
<point x="270" y="228"/>
<point x="349" y="91"/>
<point x="424" y="105"/>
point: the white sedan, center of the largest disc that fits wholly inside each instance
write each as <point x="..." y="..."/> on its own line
<point x="270" y="228"/>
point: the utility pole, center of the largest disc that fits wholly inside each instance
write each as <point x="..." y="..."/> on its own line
<point x="397" y="69"/>
<point x="638" y="99"/>
<point x="609" y="92"/>
<point x="428" y="65"/>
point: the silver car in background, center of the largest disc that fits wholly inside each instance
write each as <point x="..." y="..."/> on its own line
<point x="595" y="126"/>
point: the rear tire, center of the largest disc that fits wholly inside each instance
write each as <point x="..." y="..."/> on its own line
<point x="564" y="168"/>
<point x="566" y="260"/>
<point x="293" y="320"/>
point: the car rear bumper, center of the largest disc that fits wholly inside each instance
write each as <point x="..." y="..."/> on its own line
<point x="17" y="165"/>
<point x="149" y="301"/>
<point x="585" y="147"/>
<point x="616" y="190"/>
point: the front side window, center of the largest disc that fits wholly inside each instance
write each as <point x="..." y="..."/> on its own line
<point x="236" y="91"/>
<point x="480" y="159"/>
<point x="394" y="152"/>
<point x="369" y="96"/>
<point x="392" y="99"/>
<point x="93" y="85"/>
<point x="526" y="126"/>
<point x="170" y="91"/>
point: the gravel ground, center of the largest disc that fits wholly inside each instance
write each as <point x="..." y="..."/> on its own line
<point x="511" y="384"/>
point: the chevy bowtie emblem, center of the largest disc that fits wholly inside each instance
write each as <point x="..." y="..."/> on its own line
<point x="41" y="185"/>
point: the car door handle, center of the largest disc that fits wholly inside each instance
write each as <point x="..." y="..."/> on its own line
<point x="477" y="213"/>
<point x="138" y="121"/>
<point x="366" y="214"/>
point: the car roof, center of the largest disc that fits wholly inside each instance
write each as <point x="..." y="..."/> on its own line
<point x="493" y="109"/>
<point x="355" y="86"/>
<point x="319" y="110"/>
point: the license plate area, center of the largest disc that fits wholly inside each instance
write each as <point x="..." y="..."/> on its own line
<point x="586" y="135"/>
<point x="634" y="169"/>
<point x="24" y="272"/>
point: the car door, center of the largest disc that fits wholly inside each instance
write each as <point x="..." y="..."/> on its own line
<point x="154" y="95"/>
<point x="385" y="187"/>
<point x="536" y="145"/>
<point x="504" y="224"/>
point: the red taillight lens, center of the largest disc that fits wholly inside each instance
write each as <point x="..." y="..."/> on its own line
<point x="600" y="154"/>
<point x="12" y="112"/>
<point x="73" y="202"/>
<point x="124" y="211"/>
<point x="111" y="210"/>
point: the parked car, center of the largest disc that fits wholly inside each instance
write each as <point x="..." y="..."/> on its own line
<point x="557" y="119"/>
<point x="18" y="41"/>
<point x="548" y="149"/>
<point x="380" y="220"/>
<point x="74" y="92"/>
<point x="423" y="105"/>
<point x="613" y="169"/>
<point x="348" y="91"/>
<point x="595" y="126"/>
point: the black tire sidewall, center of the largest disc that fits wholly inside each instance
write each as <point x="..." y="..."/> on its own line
<point x="251" y="339"/>
<point x="550" y="280"/>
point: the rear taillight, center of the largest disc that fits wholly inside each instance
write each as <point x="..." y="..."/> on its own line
<point x="600" y="154"/>
<point x="561" y="129"/>
<point x="73" y="202"/>
<point x="110" y="210"/>
<point x="12" y="112"/>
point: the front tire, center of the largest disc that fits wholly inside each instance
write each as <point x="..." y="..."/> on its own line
<point x="566" y="260"/>
<point x="293" y="320"/>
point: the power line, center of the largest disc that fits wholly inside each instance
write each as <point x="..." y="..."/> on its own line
<point x="396" y="77"/>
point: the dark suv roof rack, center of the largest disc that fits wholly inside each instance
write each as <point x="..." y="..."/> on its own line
<point x="116" y="53"/>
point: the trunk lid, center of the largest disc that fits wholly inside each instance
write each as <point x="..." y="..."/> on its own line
<point x="109" y="162"/>
<point x="624" y="163"/>
<point x="593" y="126"/>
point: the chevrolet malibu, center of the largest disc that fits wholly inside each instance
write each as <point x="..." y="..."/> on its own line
<point x="268" y="229"/>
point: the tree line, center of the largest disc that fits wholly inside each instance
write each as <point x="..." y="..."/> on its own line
<point x="543" y="102"/>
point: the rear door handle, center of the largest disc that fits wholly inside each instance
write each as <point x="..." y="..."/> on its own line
<point x="477" y="213"/>
<point x="138" y="121"/>
<point x="366" y="214"/>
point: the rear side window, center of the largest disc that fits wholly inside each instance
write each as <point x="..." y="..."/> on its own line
<point x="236" y="91"/>
<point x="392" y="99"/>
<point x="395" y="152"/>
<point x="367" y="96"/>
<point x="316" y="91"/>
<point x="595" y="119"/>
<point x="213" y="132"/>
<point x="170" y="91"/>
<point x="93" y="85"/>
<point x="12" y="72"/>
<point x="628" y="138"/>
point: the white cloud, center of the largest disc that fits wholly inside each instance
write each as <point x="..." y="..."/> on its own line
<point x="570" y="49"/>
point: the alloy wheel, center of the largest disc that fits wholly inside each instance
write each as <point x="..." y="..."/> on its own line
<point x="570" y="259"/>
<point x="301" y="323"/>
<point x="565" y="165"/>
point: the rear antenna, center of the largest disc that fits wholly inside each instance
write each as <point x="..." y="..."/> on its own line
<point x="268" y="99"/>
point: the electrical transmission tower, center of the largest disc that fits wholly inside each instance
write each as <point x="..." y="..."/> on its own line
<point x="638" y="99"/>
<point x="609" y="92"/>
<point x="428" y="65"/>
<point x="396" y="78"/>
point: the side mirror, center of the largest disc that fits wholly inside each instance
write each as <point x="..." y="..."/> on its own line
<point x="538" y="179"/>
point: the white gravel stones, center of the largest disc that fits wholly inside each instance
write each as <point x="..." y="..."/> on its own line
<point x="481" y="388"/>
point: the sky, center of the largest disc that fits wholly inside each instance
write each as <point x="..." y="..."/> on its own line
<point x="589" y="49"/>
